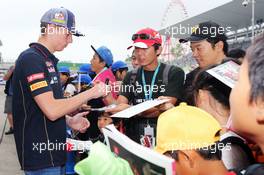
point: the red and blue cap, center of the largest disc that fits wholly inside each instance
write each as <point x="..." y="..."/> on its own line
<point x="61" y="17"/>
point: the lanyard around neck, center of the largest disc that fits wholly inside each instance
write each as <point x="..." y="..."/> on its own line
<point x="104" y="69"/>
<point x="148" y="96"/>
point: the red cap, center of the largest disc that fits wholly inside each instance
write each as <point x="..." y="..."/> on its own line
<point x="155" y="37"/>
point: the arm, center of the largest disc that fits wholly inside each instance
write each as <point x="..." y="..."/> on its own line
<point x="78" y="122"/>
<point x="122" y="102"/>
<point x="173" y="91"/>
<point x="56" y="108"/>
<point x="9" y="73"/>
<point x="156" y="111"/>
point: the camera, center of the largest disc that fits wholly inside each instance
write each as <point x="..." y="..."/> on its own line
<point x="245" y="3"/>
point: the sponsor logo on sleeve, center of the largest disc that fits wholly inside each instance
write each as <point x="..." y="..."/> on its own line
<point x="38" y="85"/>
<point x="35" y="77"/>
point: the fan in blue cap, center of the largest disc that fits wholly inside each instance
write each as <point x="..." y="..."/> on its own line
<point x="86" y="69"/>
<point x="82" y="82"/>
<point x="64" y="69"/>
<point x="83" y="78"/>
<point x="119" y="68"/>
<point x="104" y="54"/>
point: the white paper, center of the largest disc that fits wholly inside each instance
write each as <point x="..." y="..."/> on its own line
<point x="227" y="73"/>
<point x="129" y="150"/>
<point x="136" y="109"/>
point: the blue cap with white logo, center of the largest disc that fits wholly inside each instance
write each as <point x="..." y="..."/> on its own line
<point x="61" y="17"/>
<point x="118" y="65"/>
<point x="105" y="54"/>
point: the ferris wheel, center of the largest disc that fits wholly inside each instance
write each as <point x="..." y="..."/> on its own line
<point x="174" y="13"/>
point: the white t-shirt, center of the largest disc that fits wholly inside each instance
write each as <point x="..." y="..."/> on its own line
<point x="70" y="88"/>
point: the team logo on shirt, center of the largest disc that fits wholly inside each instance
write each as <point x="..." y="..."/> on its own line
<point x="50" y="66"/>
<point x="38" y="85"/>
<point x="35" y="77"/>
<point x="49" y="63"/>
<point x="54" y="80"/>
<point x="51" y="69"/>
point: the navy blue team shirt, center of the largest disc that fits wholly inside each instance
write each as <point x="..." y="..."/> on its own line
<point x="40" y="142"/>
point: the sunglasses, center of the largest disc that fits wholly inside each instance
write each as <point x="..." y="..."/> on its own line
<point x="142" y="36"/>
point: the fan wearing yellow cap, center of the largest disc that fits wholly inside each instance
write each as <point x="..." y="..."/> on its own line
<point x="190" y="136"/>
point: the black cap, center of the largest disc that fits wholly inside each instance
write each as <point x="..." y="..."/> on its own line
<point x="206" y="30"/>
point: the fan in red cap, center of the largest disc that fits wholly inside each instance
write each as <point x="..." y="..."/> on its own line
<point x="145" y="38"/>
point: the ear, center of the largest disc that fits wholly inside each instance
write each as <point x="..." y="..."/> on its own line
<point x="260" y="112"/>
<point x="158" y="52"/>
<point x="103" y="64"/>
<point x="188" y="158"/>
<point x="219" y="45"/>
<point x="202" y="96"/>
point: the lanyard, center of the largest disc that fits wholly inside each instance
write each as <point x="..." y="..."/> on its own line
<point x="148" y="96"/>
<point x="100" y="73"/>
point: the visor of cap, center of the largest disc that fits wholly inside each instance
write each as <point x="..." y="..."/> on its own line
<point x="193" y="39"/>
<point x="144" y="44"/>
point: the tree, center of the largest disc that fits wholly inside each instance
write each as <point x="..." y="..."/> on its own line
<point x="177" y="51"/>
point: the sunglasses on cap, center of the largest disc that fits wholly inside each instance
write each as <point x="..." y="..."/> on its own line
<point x="142" y="36"/>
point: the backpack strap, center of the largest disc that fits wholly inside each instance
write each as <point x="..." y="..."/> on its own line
<point x="133" y="76"/>
<point x="255" y="168"/>
<point x="238" y="141"/>
<point x="165" y="75"/>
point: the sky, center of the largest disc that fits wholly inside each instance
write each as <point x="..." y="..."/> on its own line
<point x="104" y="22"/>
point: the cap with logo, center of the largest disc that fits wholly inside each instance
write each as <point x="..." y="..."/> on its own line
<point x="61" y="17"/>
<point x="145" y="38"/>
<point x="105" y="54"/>
<point x="118" y="65"/>
<point x="186" y="128"/>
<point x="206" y="30"/>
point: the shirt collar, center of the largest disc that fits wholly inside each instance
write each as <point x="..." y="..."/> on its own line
<point x="46" y="51"/>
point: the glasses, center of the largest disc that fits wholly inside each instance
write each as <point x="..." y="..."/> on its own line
<point x="142" y="36"/>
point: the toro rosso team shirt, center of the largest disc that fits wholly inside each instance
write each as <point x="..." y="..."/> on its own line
<point x="40" y="143"/>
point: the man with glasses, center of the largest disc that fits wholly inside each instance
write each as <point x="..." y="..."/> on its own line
<point x="147" y="83"/>
<point x="39" y="108"/>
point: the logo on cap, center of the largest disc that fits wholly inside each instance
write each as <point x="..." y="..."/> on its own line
<point x="59" y="18"/>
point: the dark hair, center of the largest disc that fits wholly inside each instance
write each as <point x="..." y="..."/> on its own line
<point x="236" y="53"/>
<point x="255" y="56"/>
<point x="102" y="60"/>
<point x="213" y="41"/>
<point x="121" y="70"/>
<point x="156" y="47"/>
<point x="65" y="73"/>
<point x="211" y="152"/>
<point x="216" y="88"/>
<point x="43" y="27"/>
